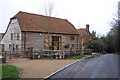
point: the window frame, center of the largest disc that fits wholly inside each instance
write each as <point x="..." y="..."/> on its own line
<point x="72" y="38"/>
<point x="18" y="36"/>
<point x="17" y="47"/>
<point x="12" y="36"/>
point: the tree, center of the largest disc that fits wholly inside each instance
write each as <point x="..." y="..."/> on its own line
<point x="115" y="34"/>
<point x="118" y="38"/>
<point x="96" y="45"/>
<point x="48" y="8"/>
<point x="94" y="33"/>
<point x="109" y="44"/>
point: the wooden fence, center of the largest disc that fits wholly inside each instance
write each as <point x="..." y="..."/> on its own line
<point x="56" y="54"/>
<point x="30" y="54"/>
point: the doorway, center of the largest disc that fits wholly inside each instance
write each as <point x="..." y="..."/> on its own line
<point x="56" y="42"/>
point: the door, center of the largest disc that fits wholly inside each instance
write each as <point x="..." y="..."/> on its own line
<point x="55" y="42"/>
<point x="56" y="45"/>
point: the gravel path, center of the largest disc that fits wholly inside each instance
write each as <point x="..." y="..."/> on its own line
<point x="39" y="68"/>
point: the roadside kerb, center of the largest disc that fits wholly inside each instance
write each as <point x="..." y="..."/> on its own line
<point x="68" y="66"/>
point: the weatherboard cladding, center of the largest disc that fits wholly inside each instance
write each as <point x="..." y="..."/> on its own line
<point x="39" y="23"/>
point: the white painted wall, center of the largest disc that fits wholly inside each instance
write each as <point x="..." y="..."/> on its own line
<point x="12" y="28"/>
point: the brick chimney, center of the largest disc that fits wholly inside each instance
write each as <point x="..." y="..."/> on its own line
<point x="87" y="26"/>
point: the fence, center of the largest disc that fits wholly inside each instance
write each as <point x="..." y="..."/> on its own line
<point x="59" y="54"/>
<point x="30" y="54"/>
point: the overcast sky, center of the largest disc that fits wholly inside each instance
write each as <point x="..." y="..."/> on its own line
<point x="97" y="13"/>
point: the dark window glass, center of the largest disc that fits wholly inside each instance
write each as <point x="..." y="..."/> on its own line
<point x="16" y="47"/>
<point x="18" y="36"/>
<point x="11" y="36"/>
<point x="71" y="37"/>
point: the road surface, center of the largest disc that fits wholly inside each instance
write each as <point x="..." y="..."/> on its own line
<point x="103" y="66"/>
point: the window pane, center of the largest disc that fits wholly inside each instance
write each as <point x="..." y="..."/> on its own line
<point x="16" y="47"/>
<point x="18" y="36"/>
<point x="10" y="46"/>
<point x="11" y="36"/>
<point x="71" y="37"/>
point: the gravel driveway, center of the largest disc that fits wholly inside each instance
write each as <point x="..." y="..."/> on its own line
<point x="39" y="68"/>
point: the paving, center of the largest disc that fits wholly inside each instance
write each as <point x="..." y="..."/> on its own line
<point x="103" y="66"/>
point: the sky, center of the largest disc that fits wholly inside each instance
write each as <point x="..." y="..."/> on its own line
<point x="97" y="13"/>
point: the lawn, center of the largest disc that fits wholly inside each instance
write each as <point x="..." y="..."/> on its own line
<point x="77" y="57"/>
<point x="10" y="71"/>
<point x="80" y="56"/>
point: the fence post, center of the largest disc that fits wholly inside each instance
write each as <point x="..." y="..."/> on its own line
<point x="31" y="53"/>
<point x="50" y="53"/>
<point x="4" y="57"/>
<point x="63" y="55"/>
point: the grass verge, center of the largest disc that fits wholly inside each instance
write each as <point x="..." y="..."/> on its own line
<point x="77" y="57"/>
<point x="10" y="71"/>
<point x="80" y="56"/>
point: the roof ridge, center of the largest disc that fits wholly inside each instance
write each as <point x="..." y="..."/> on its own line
<point x="35" y="22"/>
<point x="40" y="15"/>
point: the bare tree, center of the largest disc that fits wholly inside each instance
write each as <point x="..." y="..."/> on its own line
<point x="48" y="8"/>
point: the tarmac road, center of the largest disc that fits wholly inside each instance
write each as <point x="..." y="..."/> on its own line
<point x="103" y="66"/>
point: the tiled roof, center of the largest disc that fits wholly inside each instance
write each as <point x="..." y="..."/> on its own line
<point x="84" y="31"/>
<point x="39" y="23"/>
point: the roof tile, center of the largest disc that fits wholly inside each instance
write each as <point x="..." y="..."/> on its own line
<point x="39" y="23"/>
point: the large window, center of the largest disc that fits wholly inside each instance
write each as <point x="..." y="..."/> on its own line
<point x="55" y="38"/>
